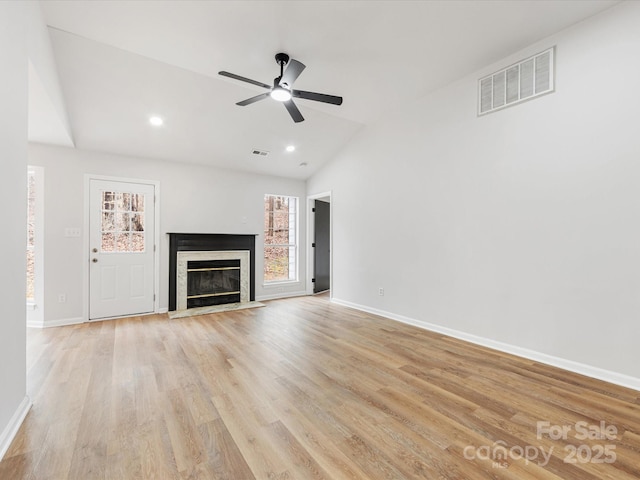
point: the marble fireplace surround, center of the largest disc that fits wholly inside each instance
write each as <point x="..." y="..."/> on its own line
<point x="208" y="242"/>
<point x="185" y="257"/>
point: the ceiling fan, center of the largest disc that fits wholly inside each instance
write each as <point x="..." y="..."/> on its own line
<point x="282" y="90"/>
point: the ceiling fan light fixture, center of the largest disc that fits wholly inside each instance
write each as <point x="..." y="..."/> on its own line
<point x="280" y="94"/>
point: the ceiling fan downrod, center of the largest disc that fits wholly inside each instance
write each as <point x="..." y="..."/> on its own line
<point x="282" y="59"/>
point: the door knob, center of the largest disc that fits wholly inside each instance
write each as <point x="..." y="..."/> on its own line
<point x="94" y="250"/>
<point x="94" y="260"/>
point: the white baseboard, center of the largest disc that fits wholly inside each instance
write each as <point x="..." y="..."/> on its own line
<point x="276" y="296"/>
<point x="63" y="322"/>
<point x="569" y="365"/>
<point x="75" y="320"/>
<point x="11" y="429"/>
<point x="35" y="324"/>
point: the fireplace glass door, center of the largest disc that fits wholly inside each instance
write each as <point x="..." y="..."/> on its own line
<point x="213" y="282"/>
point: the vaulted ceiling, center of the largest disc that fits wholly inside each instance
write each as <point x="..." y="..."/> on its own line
<point x="121" y="61"/>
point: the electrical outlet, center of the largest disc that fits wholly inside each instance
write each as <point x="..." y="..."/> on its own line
<point x="62" y="298"/>
<point x="381" y="292"/>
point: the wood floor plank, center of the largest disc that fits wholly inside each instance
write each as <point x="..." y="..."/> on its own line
<point x="224" y="456"/>
<point x="251" y="438"/>
<point x="326" y="449"/>
<point x="303" y="465"/>
<point x="305" y="389"/>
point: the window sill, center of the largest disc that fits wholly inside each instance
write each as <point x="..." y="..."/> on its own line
<point x="280" y="284"/>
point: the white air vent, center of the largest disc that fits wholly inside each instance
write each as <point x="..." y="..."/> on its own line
<point x="262" y="153"/>
<point x="527" y="79"/>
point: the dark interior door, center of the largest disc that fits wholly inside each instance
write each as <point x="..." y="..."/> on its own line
<point x="321" y="257"/>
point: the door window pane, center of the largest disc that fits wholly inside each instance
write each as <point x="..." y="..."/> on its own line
<point x="137" y="203"/>
<point x="122" y="221"/>
<point x="108" y="222"/>
<point x="122" y="242"/>
<point x="137" y="242"/>
<point x="137" y="222"/>
<point x="108" y="242"/>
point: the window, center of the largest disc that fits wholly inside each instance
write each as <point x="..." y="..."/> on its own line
<point x="31" y="230"/>
<point x="280" y="238"/>
<point x="34" y="244"/>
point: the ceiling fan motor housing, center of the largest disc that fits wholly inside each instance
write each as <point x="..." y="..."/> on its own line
<point x="282" y="59"/>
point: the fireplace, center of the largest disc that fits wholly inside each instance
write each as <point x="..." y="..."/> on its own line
<point x="212" y="278"/>
<point x="206" y="270"/>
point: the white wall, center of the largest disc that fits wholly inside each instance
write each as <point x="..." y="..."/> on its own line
<point x="48" y="120"/>
<point x="13" y="164"/>
<point x="193" y="199"/>
<point x="522" y="226"/>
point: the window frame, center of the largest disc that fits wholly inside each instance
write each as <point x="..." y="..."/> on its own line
<point x="35" y="305"/>
<point x="295" y="246"/>
<point x="32" y="192"/>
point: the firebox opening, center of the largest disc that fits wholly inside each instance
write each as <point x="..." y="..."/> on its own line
<point x="213" y="282"/>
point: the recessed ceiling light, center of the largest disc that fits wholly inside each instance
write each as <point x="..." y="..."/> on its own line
<point x="156" y="121"/>
<point x="290" y="148"/>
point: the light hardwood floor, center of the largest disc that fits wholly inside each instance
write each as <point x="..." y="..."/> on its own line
<point x="305" y="389"/>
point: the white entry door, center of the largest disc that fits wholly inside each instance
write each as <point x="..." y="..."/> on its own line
<point x="121" y="257"/>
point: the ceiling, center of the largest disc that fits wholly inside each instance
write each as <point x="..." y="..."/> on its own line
<point x="121" y="61"/>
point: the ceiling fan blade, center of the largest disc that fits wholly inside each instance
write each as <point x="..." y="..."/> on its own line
<point x="243" y="79"/>
<point x="293" y="111"/>
<point x="293" y="71"/>
<point x="318" y="97"/>
<point x="251" y="100"/>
